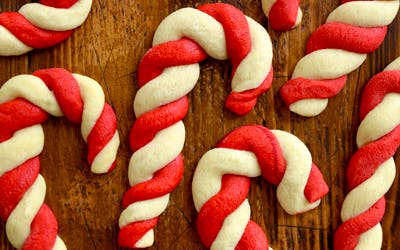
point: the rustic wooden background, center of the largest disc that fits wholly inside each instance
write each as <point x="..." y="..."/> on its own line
<point x="108" y="48"/>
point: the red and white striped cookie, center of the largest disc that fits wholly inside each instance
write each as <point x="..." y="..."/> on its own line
<point x="221" y="184"/>
<point x="371" y="170"/>
<point x="167" y="73"/>
<point x="25" y="102"/>
<point x="40" y="25"/>
<point x="335" y="49"/>
<point x="282" y="14"/>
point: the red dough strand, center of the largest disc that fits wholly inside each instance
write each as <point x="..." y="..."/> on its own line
<point x="283" y="14"/>
<point x="29" y="34"/>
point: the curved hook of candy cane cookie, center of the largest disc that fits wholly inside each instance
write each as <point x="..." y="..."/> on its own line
<point x="167" y="73"/>
<point x="221" y="184"/>
<point x="335" y="49"/>
<point x="40" y="25"/>
<point x="371" y="170"/>
<point x="282" y="14"/>
<point x="25" y="101"/>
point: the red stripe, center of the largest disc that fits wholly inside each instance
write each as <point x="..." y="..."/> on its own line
<point x="283" y="14"/>
<point x="302" y="88"/>
<point x="130" y="234"/>
<point x="149" y="124"/>
<point x="66" y="91"/>
<point x="15" y="183"/>
<point x="173" y="53"/>
<point x="29" y="34"/>
<point x="346" y="37"/>
<point x="367" y="159"/>
<point x="348" y="233"/>
<point x="377" y="88"/>
<point x="59" y="3"/>
<point x="43" y="232"/>
<point x="18" y="114"/>
<point x="253" y="238"/>
<point x="242" y="103"/>
<point x="163" y="182"/>
<point x="233" y="192"/>
<point x="102" y="133"/>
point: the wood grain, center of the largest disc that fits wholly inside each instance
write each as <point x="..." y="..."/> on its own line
<point x="108" y="48"/>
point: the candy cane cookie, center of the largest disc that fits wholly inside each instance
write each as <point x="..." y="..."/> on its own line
<point x="167" y="72"/>
<point x="40" y="25"/>
<point x="335" y="49"/>
<point x="282" y="14"/>
<point x="371" y="169"/>
<point x="25" y="102"/>
<point x="221" y="184"/>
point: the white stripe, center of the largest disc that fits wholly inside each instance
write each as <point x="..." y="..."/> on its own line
<point x="175" y="82"/>
<point x="57" y="19"/>
<point x="267" y="5"/>
<point x="196" y="25"/>
<point x="103" y="160"/>
<point x="298" y="18"/>
<point x="323" y="64"/>
<point x="19" y="222"/>
<point x="165" y="147"/>
<point x="10" y="45"/>
<point x="371" y="239"/>
<point x="143" y="210"/>
<point x="361" y="198"/>
<point x="380" y="120"/>
<point x="34" y="90"/>
<point x="93" y="103"/>
<point x="25" y="144"/>
<point x="59" y="244"/>
<point x="232" y="228"/>
<point x="365" y="13"/>
<point x="290" y="191"/>
<point x="260" y="57"/>
<point x="309" y="107"/>
<point x="147" y="240"/>
<point x="328" y="64"/>
<point x="395" y="65"/>
<point x="214" y="164"/>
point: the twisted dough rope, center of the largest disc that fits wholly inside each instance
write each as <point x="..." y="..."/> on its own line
<point x="167" y="72"/>
<point x="25" y="101"/>
<point x="371" y="170"/>
<point x="334" y="50"/>
<point x="221" y="184"/>
<point x="40" y="25"/>
<point x="282" y="14"/>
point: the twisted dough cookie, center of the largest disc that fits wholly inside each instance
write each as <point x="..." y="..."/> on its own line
<point x="334" y="50"/>
<point x="167" y="72"/>
<point x="221" y="184"/>
<point x="40" y="25"/>
<point x="282" y="14"/>
<point x="25" y="102"/>
<point x="371" y="170"/>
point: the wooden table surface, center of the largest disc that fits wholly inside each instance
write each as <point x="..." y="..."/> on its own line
<point x="108" y="47"/>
